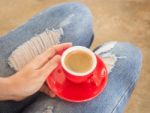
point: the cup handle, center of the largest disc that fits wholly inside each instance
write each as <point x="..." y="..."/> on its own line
<point x="94" y="80"/>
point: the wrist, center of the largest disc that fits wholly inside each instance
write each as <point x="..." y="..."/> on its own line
<point x="8" y="89"/>
<point x="13" y="86"/>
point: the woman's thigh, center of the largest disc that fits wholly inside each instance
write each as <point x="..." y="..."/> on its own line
<point x="74" y="18"/>
<point x="113" y="99"/>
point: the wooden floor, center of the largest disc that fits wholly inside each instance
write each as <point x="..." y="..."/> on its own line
<point x="121" y="20"/>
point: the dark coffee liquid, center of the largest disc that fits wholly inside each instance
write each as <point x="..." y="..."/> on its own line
<point x="78" y="61"/>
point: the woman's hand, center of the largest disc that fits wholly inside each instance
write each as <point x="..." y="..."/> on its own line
<point x="32" y="77"/>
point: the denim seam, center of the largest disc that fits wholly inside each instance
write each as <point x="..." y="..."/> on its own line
<point x="123" y="96"/>
<point x="128" y="89"/>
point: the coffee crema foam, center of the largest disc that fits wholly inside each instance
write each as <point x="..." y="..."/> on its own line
<point x="78" y="61"/>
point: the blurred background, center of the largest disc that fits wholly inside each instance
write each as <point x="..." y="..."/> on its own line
<point x="121" y="20"/>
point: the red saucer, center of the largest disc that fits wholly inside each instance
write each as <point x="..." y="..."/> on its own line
<point x="82" y="92"/>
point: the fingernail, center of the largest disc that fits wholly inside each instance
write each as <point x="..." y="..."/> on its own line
<point x="70" y="43"/>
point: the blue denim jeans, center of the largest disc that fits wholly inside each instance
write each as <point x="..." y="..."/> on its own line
<point x="76" y="21"/>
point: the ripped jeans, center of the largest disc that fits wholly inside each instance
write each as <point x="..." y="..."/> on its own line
<point x="76" y="21"/>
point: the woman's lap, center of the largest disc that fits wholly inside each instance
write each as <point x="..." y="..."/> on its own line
<point x="120" y="85"/>
<point x="79" y="31"/>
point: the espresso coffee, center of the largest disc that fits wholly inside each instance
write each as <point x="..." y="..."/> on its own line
<point x="78" y="61"/>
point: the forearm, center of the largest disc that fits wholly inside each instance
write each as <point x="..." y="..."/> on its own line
<point x="6" y="89"/>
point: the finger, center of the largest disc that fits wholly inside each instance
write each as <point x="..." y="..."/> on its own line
<point x="44" y="89"/>
<point x="50" y="66"/>
<point x="51" y="94"/>
<point x="49" y="53"/>
<point x="61" y="47"/>
<point x="41" y="59"/>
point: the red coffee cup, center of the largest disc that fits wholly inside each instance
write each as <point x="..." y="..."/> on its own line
<point x="74" y="76"/>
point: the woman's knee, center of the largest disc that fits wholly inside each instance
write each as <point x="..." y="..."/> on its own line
<point x="131" y="52"/>
<point x="130" y="56"/>
<point x="79" y="9"/>
<point x="78" y="24"/>
<point x="127" y="55"/>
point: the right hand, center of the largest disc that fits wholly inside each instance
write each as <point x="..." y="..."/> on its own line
<point x="32" y="77"/>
